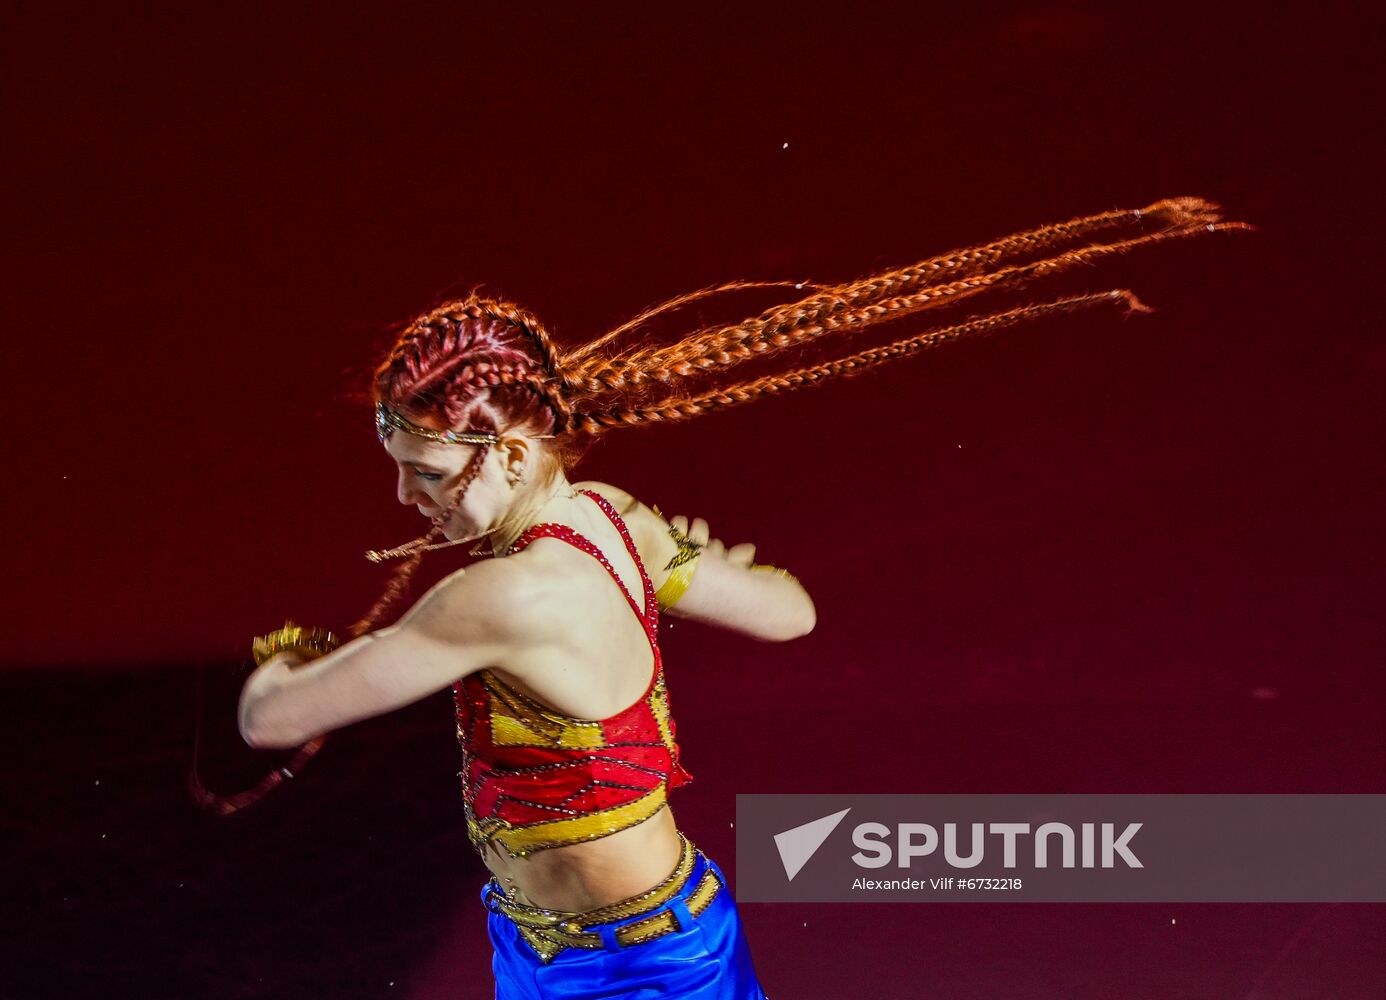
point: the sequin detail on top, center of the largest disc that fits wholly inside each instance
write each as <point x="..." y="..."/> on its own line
<point x="533" y="778"/>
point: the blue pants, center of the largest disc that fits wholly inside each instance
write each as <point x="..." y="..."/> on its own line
<point x="706" y="959"/>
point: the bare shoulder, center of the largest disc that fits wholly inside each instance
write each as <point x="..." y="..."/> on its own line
<point x="649" y="530"/>
<point x="621" y="499"/>
<point x="494" y="600"/>
<point x="724" y="591"/>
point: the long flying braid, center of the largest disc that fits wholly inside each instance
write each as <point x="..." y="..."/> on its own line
<point x="597" y="421"/>
<point x="1170" y="213"/>
<point x="700" y="360"/>
<point x="783" y="326"/>
<point x="581" y="353"/>
<point x="433" y="360"/>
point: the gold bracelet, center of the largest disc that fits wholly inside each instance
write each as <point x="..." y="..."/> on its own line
<point x="681" y="568"/>
<point x="308" y="641"/>
<point x="672" y="588"/>
<point x="759" y="568"/>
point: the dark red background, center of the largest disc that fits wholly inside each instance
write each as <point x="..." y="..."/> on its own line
<point x="1104" y="555"/>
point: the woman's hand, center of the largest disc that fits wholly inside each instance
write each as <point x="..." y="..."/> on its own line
<point x="465" y="623"/>
<point x="697" y="532"/>
<point x="721" y="587"/>
<point x="723" y="591"/>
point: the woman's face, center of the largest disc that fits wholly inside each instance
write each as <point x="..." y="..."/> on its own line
<point x="431" y="471"/>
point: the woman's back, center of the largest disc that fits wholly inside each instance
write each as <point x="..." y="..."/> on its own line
<point x="605" y="658"/>
<point x="570" y="754"/>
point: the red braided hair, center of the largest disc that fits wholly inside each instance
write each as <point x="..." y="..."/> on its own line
<point x="485" y="365"/>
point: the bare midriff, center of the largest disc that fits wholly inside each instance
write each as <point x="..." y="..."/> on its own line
<point x="584" y="876"/>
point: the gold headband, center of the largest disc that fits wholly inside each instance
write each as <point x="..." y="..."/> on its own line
<point x="387" y="421"/>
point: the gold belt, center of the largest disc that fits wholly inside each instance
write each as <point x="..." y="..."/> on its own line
<point x="548" y="932"/>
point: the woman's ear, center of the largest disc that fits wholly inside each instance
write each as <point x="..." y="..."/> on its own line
<point x="515" y="456"/>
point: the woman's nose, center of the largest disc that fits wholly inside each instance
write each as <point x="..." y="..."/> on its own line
<point x="406" y="491"/>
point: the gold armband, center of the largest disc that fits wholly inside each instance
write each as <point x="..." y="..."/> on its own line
<point x="681" y="569"/>
<point x="757" y="567"/>
<point x="308" y="642"/>
<point x="672" y="589"/>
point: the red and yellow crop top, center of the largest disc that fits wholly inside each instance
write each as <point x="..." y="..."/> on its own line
<point x="533" y="778"/>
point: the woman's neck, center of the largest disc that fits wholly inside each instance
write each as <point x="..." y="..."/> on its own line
<point x="537" y="506"/>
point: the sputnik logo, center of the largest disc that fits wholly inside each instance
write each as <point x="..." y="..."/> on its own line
<point x="797" y="845"/>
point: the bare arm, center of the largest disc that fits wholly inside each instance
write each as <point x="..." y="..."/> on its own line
<point x="464" y="624"/>
<point x="725" y="591"/>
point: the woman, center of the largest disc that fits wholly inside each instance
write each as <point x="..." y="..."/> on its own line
<point x="551" y="648"/>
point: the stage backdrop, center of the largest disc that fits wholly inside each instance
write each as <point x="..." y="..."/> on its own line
<point x="1101" y="554"/>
